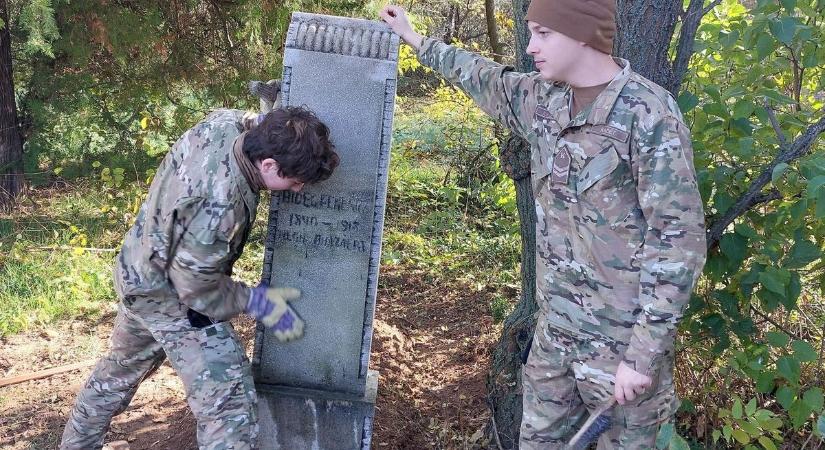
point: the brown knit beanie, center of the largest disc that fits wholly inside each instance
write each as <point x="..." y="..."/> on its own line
<point x="590" y="21"/>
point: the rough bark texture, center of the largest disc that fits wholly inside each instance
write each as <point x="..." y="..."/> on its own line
<point x="504" y="379"/>
<point x="492" y="29"/>
<point x="11" y="147"/>
<point x="644" y="29"/>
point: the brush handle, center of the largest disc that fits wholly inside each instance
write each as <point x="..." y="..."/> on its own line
<point x="576" y="437"/>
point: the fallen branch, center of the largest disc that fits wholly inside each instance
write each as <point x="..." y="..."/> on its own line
<point x="493" y="420"/>
<point x="44" y="373"/>
<point x="69" y="247"/>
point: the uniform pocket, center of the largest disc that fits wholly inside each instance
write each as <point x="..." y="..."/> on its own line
<point x="657" y="406"/>
<point x="630" y="225"/>
<point x="222" y="352"/>
<point x="599" y="167"/>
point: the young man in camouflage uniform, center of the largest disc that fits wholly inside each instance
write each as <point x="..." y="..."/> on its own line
<point x="620" y="238"/>
<point x="173" y="274"/>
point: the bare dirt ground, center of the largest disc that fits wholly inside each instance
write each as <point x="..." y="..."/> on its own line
<point x="431" y="347"/>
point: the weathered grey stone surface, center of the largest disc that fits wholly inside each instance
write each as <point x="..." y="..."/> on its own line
<point x="326" y="240"/>
<point x="293" y="418"/>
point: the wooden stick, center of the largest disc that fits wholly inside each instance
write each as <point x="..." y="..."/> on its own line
<point x="44" y="373"/>
<point x="495" y="432"/>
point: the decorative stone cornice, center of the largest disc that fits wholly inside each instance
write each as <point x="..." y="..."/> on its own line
<point x="342" y="36"/>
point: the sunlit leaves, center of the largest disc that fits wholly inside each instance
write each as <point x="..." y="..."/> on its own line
<point x="784" y="29"/>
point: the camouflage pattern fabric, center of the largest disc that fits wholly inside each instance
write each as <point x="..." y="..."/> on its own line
<point x="193" y="225"/>
<point x="211" y="362"/>
<point x="620" y="238"/>
<point x="566" y="376"/>
<point x="176" y="261"/>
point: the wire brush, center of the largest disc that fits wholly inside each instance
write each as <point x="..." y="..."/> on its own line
<point x="598" y="422"/>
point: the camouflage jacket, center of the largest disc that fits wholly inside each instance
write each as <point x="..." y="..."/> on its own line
<point x="620" y="238"/>
<point x="192" y="226"/>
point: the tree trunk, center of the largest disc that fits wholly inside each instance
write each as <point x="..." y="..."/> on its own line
<point x="504" y="378"/>
<point x="492" y="29"/>
<point x="645" y="29"/>
<point x="452" y="30"/>
<point x="11" y="147"/>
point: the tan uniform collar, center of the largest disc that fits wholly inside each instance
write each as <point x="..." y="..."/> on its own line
<point x="598" y="112"/>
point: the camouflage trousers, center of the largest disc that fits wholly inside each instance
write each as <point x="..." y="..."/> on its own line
<point x="211" y="362"/>
<point x="567" y="377"/>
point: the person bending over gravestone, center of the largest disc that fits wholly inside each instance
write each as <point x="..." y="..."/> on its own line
<point x="620" y="238"/>
<point x="172" y="274"/>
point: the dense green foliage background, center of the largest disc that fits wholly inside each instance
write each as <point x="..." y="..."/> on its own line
<point x="104" y="87"/>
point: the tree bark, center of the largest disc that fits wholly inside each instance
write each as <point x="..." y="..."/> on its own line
<point x="492" y="29"/>
<point x="452" y="30"/>
<point x="644" y="29"/>
<point x="504" y="378"/>
<point x="11" y="146"/>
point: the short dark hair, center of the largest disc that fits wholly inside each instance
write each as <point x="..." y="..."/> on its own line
<point x="295" y="138"/>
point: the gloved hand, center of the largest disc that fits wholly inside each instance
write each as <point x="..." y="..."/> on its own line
<point x="250" y="120"/>
<point x="270" y="306"/>
<point x="269" y="93"/>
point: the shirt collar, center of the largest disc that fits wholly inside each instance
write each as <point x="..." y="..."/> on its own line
<point x="598" y="111"/>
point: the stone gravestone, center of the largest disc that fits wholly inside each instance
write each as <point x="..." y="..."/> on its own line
<point x="318" y="392"/>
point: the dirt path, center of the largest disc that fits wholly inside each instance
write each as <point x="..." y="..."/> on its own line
<point x="431" y="348"/>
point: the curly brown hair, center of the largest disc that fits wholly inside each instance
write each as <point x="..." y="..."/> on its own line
<point x="295" y="138"/>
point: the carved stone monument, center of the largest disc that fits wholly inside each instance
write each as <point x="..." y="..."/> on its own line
<point x="318" y="392"/>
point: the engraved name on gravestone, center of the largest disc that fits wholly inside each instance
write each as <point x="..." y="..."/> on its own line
<point x="326" y="240"/>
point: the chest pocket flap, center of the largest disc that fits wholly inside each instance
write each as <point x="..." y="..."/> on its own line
<point x="597" y="168"/>
<point x="546" y="128"/>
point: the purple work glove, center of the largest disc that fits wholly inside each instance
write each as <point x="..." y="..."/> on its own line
<point x="271" y="306"/>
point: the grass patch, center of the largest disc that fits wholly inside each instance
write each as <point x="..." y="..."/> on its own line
<point x="58" y="251"/>
<point x="40" y="288"/>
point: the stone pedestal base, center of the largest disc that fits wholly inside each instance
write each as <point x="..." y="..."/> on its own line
<point x="298" y="419"/>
